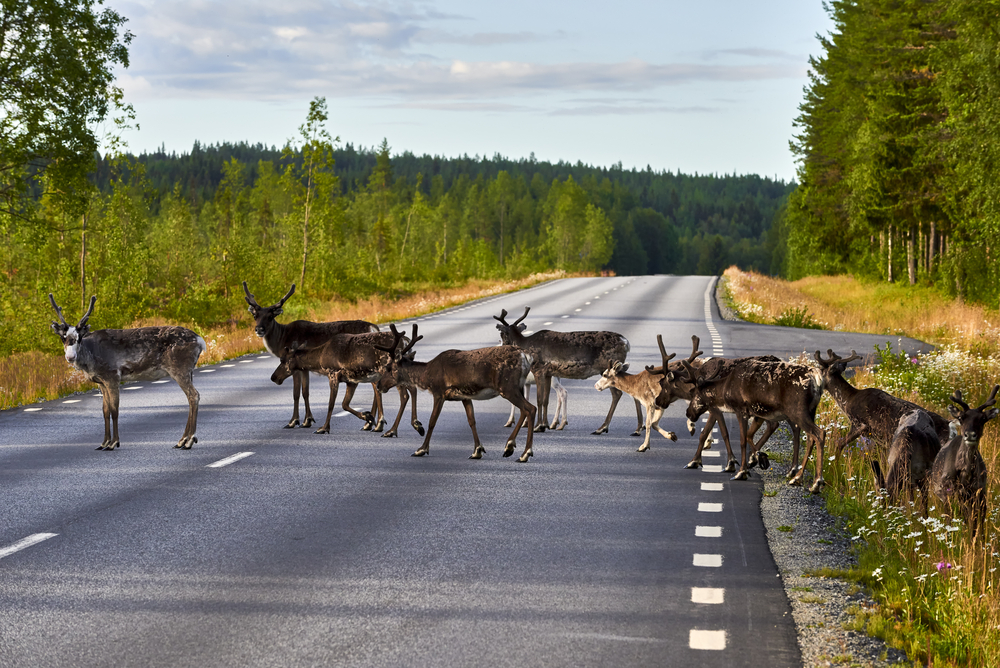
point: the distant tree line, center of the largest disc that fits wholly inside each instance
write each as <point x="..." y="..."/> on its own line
<point x="899" y="148"/>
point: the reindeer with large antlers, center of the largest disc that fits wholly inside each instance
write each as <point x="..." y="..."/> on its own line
<point x="301" y="334"/>
<point x="466" y="376"/>
<point x="110" y="357"/>
<point x="567" y="355"/>
<point x="674" y="384"/>
<point x="773" y="391"/>
<point x="959" y="472"/>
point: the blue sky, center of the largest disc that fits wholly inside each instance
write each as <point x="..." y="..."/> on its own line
<point x="709" y="87"/>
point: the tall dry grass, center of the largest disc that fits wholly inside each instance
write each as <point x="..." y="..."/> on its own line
<point x="34" y="376"/>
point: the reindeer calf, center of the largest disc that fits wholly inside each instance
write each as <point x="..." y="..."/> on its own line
<point x="644" y="388"/>
<point x="914" y="446"/>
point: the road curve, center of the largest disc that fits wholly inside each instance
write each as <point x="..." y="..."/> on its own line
<point x="264" y="546"/>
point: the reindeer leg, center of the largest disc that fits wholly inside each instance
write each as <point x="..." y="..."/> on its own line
<point x="296" y="389"/>
<point x="368" y="418"/>
<point x="378" y="421"/>
<point x="562" y="407"/>
<point x="542" y="383"/>
<point x="334" y="385"/>
<point x="743" y="473"/>
<point x="510" y="418"/>
<point x="186" y="383"/>
<point x="106" y="411"/>
<point x="414" y="422"/>
<point x="797" y="468"/>
<point x="616" y="396"/>
<point x="819" y="435"/>
<point x="657" y="414"/>
<point x="114" y="397"/>
<point x="307" y="418"/>
<point x="528" y="414"/>
<point x="478" y="449"/>
<point x="435" y="412"/>
<point x="759" y="458"/>
<point x="640" y="425"/>
<point x="851" y="437"/>
<point x="404" y="397"/>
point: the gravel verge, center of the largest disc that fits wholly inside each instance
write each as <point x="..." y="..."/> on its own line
<point x="805" y="539"/>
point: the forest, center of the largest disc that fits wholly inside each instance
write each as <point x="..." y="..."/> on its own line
<point x="898" y="145"/>
<point x="173" y="236"/>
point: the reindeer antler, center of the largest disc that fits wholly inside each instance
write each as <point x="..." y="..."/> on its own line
<point x="86" y="316"/>
<point x="663" y="355"/>
<point x="285" y="298"/>
<point x="957" y="398"/>
<point x="992" y="400"/>
<point x="834" y="358"/>
<point x="58" y="311"/>
<point x="502" y="317"/>
<point x="695" y="342"/>
<point x="518" y="321"/>
<point x="250" y="298"/>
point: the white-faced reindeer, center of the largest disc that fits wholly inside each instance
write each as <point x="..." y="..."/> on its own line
<point x="466" y="376"/>
<point x="299" y="334"/>
<point x="567" y="355"/>
<point x="674" y="384"/>
<point x="110" y="357"/>
<point x="959" y="472"/>
<point x="643" y="387"/>
<point x="350" y="359"/>
<point x="773" y="391"/>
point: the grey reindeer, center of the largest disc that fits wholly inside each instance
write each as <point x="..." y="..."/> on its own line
<point x="110" y="357"/>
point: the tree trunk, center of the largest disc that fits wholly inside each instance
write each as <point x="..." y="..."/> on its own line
<point x="83" y="263"/>
<point x="911" y="256"/>
<point x="930" y="249"/>
<point x="305" y="232"/>
<point x="890" y="253"/>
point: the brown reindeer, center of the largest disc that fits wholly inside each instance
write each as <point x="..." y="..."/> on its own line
<point x="959" y="472"/>
<point x="466" y="376"/>
<point x="872" y="412"/>
<point x="914" y="446"/>
<point x="567" y="355"/>
<point x="300" y="334"/>
<point x="110" y="357"/>
<point x="344" y="358"/>
<point x="772" y="391"/>
<point x="674" y="384"/>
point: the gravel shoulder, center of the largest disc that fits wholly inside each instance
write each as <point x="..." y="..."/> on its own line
<point x="805" y="539"/>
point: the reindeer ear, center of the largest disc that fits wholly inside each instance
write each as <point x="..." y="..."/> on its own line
<point x="955" y="411"/>
<point x="622" y="368"/>
<point x="990" y="414"/>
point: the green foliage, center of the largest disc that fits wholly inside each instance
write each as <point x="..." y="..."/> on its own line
<point x="797" y="317"/>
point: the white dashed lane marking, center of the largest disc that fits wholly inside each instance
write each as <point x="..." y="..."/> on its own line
<point x="711" y="486"/>
<point x="708" y="532"/>
<point x="33" y="539"/>
<point x="229" y="460"/>
<point x="707" y="595"/>
<point x="32" y="410"/>
<point x="712" y="468"/>
<point x="709" y="507"/>
<point x="707" y="560"/>
<point x="711" y="640"/>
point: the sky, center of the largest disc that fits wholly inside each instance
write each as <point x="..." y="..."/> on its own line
<point x="706" y="86"/>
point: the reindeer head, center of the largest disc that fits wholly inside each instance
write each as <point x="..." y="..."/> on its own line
<point x="69" y="335"/>
<point x="399" y="359"/>
<point x="972" y="420"/>
<point x="287" y="365"/>
<point x="609" y="375"/>
<point x="511" y="333"/>
<point x="264" y="316"/>
<point x="835" y="365"/>
<point x="671" y="379"/>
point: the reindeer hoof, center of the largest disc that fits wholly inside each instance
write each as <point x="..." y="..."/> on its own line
<point x="763" y="461"/>
<point x="419" y="453"/>
<point x="741" y="475"/>
<point x="322" y="430"/>
<point x="693" y="464"/>
<point x="731" y="466"/>
<point x="562" y="425"/>
<point x="389" y="434"/>
<point x="637" y="432"/>
<point x="795" y="482"/>
<point x="379" y="427"/>
<point x="602" y="430"/>
<point x="817" y="486"/>
<point x="540" y="429"/>
<point x="478" y="453"/>
<point x="419" y="427"/>
<point x="672" y="436"/>
<point x="643" y="448"/>
<point x="308" y="421"/>
<point x="508" y="423"/>
<point x="793" y="472"/>
<point x="509" y="450"/>
<point x="708" y="445"/>
<point x="523" y="459"/>
<point x="292" y="424"/>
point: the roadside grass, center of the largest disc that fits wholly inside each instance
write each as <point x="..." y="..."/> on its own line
<point x="937" y="589"/>
<point x="39" y="376"/>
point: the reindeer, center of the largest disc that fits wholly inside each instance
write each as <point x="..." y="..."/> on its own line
<point x="959" y="472"/>
<point x="643" y="387"/>
<point x="567" y="355"/>
<point x="349" y="359"/>
<point x="466" y="376"/>
<point x="301" y="334"/>
<point x="673" y="385"/>
<point x="773" y="391"/>
<point x="110" y="357"/>
<point x="914" y="446"/>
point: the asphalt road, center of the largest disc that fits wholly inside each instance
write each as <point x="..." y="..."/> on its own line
<point x="343" y="550"/>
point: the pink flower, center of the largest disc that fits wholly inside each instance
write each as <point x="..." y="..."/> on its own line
<point x="943" y="566"/>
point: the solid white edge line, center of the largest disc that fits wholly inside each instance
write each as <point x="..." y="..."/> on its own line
<point x="25" y="542"/>
<point x="229" y="460"/>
